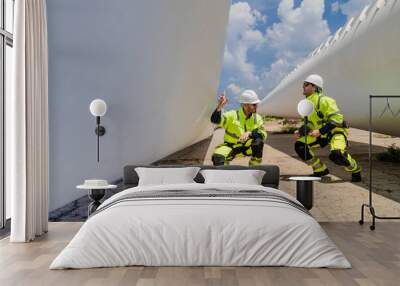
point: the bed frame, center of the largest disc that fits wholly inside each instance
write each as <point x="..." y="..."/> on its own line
<point x="270" y="179"/>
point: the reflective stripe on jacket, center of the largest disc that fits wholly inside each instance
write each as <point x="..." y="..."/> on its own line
<point x="325" y="112"/>
<point x="235" y="124"/>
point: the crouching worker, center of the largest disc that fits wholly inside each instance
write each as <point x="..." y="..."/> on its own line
<point x="244" y="131"/>
<point x="326" y="127"/>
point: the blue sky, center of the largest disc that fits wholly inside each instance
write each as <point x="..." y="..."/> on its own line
<point x="266" y="39"/>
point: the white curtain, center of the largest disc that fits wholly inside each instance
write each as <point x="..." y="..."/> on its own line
<point x="28" y="123"/>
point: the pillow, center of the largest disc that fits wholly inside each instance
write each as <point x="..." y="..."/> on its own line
<point x="162" y="176"/>
<point x="249" y="177"/>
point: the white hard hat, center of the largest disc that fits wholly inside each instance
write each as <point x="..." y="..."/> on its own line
<point x="315" y="80"/>
<point x="249" y="96"/>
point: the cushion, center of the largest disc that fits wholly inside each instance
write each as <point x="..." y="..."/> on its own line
<point x="162" y="176"/>
<point x="248" y="177"/>
<point x="271" y="177"/>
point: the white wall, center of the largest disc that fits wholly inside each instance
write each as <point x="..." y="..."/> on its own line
<point x="364" y="60"/>
<point x="156" y="63"/>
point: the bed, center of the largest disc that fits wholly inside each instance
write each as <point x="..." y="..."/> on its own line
<point x="201" y="224"/>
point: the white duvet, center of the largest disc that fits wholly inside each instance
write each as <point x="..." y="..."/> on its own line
<point x="200" y="231"/>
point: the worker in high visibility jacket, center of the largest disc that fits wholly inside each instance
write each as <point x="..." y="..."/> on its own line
<point x="326" y="126"/>
<point x="244" y="130"/>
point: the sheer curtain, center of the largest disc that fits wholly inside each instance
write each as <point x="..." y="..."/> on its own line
<point x="28" y="123"/>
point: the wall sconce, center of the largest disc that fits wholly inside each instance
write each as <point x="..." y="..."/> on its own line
<point x="98" y="108"/>
<point x="305" y="108"/>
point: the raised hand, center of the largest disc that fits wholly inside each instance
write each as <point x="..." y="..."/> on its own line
<point x="222" y="101"/>
<point x="244" y="137"/>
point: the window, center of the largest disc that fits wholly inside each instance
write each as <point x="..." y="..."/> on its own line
<point x="6" y="60"/>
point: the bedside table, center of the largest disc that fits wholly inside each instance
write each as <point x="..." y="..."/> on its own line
<point x="96" y="191"/>
<point x="304" y="190"/>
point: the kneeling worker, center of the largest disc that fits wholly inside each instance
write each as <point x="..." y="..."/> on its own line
<point x="326" y="126"/>
<point x="244" y="131"/>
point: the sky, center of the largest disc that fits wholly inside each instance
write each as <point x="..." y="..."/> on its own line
<point x="266" y="39"/>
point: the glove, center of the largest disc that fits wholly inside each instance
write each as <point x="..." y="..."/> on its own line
<point x="303" y="132"/>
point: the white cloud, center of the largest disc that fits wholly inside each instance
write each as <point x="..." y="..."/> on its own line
<point x="299" y="31"/>
<point x="234" y="89"/>
<point x="242" y="36"/>
<point x="259" y="16"/>
<point x="353" y="7"/>
<point x="263" y="5"/>
<point x="272" y="76"/>
<point x="335" y="7"/>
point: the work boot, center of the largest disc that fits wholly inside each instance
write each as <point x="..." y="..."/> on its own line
<point x="321" y="174"/>
<point x="356" y="177"/>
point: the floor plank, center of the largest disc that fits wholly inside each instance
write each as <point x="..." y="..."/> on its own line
<point x="375" y="257"/>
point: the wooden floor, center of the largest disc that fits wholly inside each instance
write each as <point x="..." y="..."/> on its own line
<point x="375" y="257"/>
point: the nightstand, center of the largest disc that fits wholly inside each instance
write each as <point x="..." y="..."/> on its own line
<point x="304" y="190"/>
<point x="96" y="191"/>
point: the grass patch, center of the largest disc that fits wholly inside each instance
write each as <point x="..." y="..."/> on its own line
<point x="392" y="154"/>
<point x="289" y="129"/>
<point x="272" y="118"/>
<point x="285" y="125"/>
<point x="285" y="130"/>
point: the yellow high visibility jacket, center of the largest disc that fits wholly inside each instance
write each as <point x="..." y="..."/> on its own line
<point x="235" y="124"/>
<point x="325" y="112"/>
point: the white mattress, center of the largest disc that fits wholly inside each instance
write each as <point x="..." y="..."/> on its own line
<point x="200" y="231"/>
